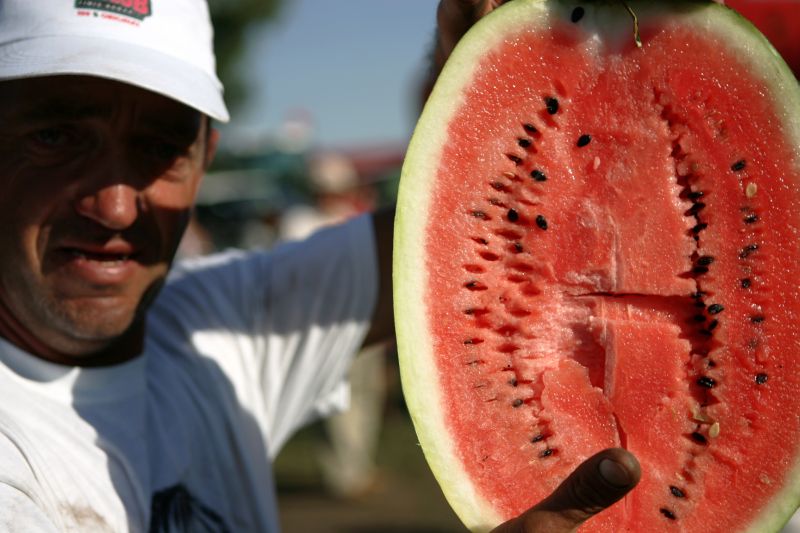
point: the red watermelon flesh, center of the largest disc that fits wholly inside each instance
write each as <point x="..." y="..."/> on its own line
<point x="598" y="246"/>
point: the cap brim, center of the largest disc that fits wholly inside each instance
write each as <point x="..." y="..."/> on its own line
<point x="115" y="60"/>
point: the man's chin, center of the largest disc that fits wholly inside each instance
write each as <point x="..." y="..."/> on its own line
<point x="88" y="332"/>
<point x="101" y="348"/>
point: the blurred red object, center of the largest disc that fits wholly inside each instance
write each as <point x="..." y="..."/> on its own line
<point x="779" y="21"/>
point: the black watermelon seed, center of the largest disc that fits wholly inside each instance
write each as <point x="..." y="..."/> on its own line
<point x="699" y="318"/>
<point x="583" y="140"/>
<point x="706" y="382"/>
<point x="516" y="403"/>
<point x="696" y="195"/>
<point x="547" y="453"/>
<point x="699" y="227"/>
<point x="705" y="260"/>
<point x="517" y="247"/>
<point x="699" y="304"/>
<point x="757" y="319"/>
<point x="700" y="270"/>
<point x="513" y="216"/>
<point x="479" y="214"/>
<point x="538" y="175"/>
<point x="577" y="14"/>
<point x="705" y="332"/>
<point x="537" y="438"/>
<point x="471" y="284"/>
<point x="669" y="514"/>
<point x="739" y="165"/>
<point x="747" y="250"/>
<point x="715" y="309"/>
<point x="530" y="128"/>
<point x="496" y="185"/>
<point x="713" y="324"/>
<point x="761" y="378"/>
<point x="515" y="159"/>
<point x="552" y="105"/>
<point x="746" y="282"/>
<point x="469" y="341"/>
<point x="699" y="438"/>
<point x="750" y="218"/>
<point x="698" y="294"/>
<point x="696" y="207"/>
<point x="541" y="222"/>
<point x="524" y="143"/>
<point x="678" y="493"/>
<point x="512" y="382"/>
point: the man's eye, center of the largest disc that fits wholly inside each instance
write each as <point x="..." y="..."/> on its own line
<point x="162" y="150"/>
<point x="54" y="137"/>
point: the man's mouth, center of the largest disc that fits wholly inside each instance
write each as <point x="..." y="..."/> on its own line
<point x="102" y="264"/>
<point x="104" y="257"/>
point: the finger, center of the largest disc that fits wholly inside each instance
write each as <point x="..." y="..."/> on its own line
<point x="596" y="484"/>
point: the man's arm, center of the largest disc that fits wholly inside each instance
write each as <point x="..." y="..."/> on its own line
<point x="382" y="328"/>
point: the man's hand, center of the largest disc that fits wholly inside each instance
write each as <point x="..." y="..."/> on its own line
<point x="597" y="483"/>
<point x="453" y="19"/>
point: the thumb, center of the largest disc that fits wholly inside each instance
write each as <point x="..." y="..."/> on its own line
<point x="596" y="484"/>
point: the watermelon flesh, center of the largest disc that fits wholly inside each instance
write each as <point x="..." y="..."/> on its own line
<point x="597" y="246"/>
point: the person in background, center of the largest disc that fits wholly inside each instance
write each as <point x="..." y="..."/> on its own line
<point x="142" y="395"/>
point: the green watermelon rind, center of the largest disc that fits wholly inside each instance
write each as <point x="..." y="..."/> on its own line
<point x="415" y="346"/>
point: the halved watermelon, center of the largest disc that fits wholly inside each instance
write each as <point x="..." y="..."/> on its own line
<point x="597" y="245"/>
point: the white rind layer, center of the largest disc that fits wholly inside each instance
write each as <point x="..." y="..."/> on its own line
<point x="611" y="22"/>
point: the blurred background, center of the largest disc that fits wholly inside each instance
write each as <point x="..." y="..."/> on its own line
<point x="324" y="96"/>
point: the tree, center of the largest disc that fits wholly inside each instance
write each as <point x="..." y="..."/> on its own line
<point x="232" y="19"/>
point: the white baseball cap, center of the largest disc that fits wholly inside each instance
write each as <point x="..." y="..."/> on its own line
<point x="165" y="46"/>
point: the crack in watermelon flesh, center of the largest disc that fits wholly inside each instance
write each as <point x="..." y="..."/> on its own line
<point x="620" y="272"/>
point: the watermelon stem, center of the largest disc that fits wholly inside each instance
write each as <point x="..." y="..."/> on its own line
<point x="636" y="36"/>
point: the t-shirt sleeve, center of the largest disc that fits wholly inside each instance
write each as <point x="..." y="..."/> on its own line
<point x="282" y="326"/>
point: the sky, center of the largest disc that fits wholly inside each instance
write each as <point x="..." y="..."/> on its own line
<point x="352" y="65"/>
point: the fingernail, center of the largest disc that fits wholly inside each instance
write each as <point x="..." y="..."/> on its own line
<point x="614" y="473"/>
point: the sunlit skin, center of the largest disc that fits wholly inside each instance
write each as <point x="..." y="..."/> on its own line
<point x="97" y="182"/>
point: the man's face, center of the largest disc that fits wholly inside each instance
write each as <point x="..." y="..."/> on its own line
<point x="97" y="180"/>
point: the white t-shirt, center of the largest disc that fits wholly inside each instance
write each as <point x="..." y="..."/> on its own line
<point x="241" y="350"/>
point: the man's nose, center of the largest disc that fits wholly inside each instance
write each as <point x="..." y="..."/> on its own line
<point x="114" y="205"/>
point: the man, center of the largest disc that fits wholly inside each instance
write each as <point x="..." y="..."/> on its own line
<point x="125" y="412"/>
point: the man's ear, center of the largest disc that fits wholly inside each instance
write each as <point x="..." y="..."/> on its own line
<point x="212" y="139"/>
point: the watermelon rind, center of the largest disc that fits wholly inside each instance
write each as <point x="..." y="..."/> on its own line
<point x="415" y="342"/>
